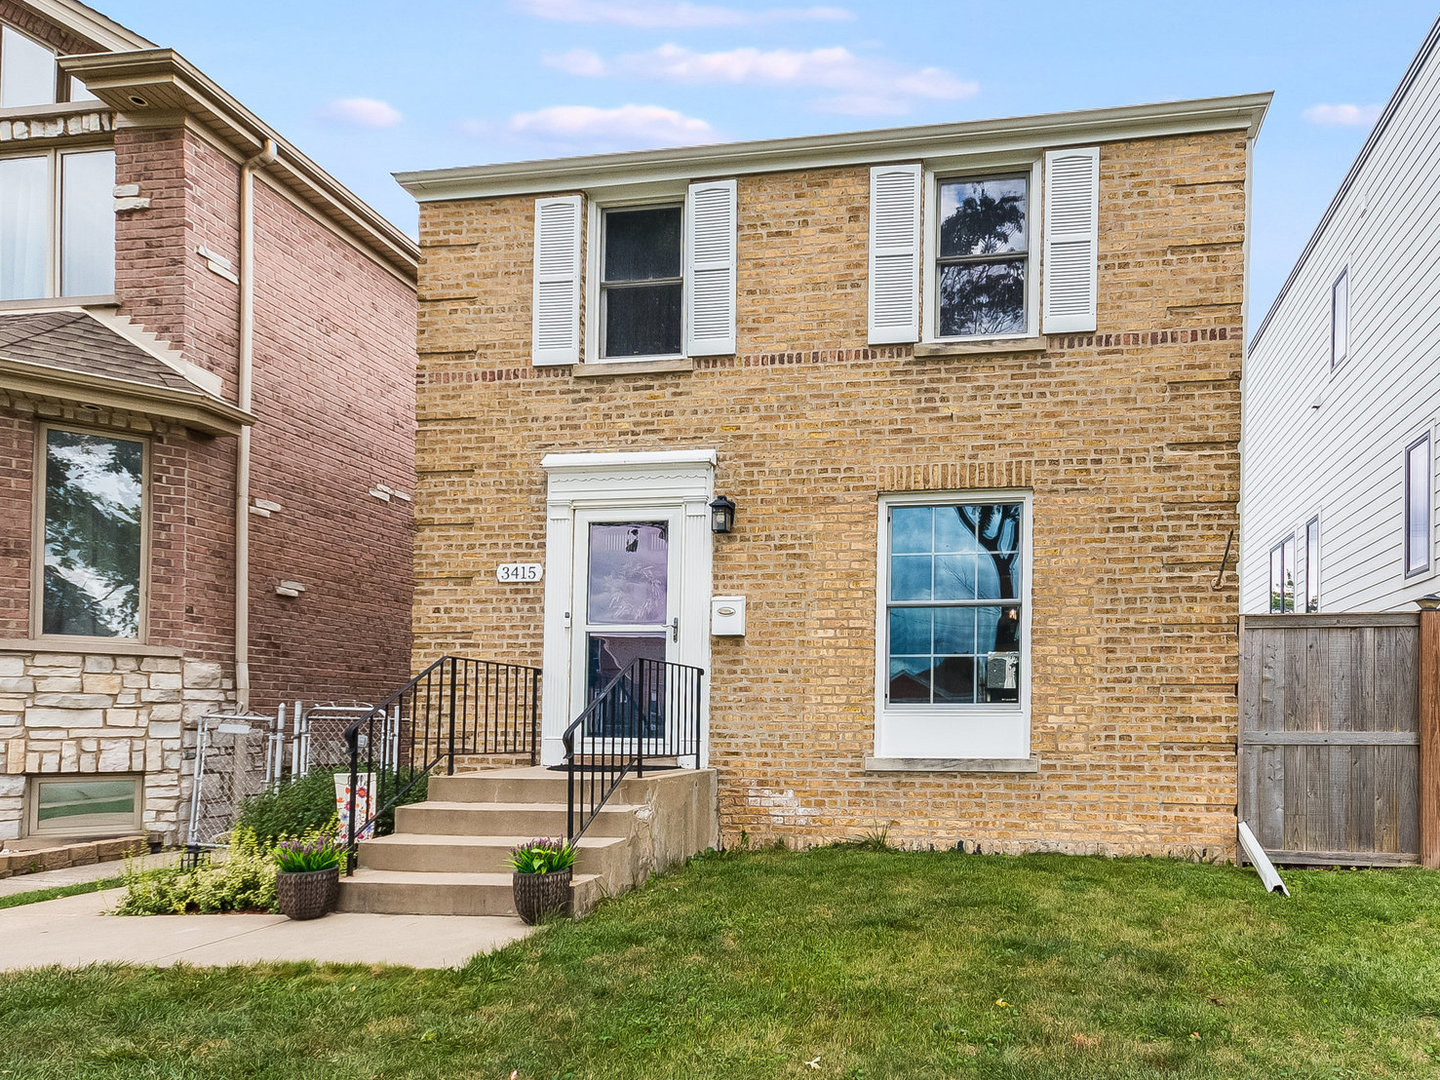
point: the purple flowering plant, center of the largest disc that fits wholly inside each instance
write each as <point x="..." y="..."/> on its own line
<point x="305" y="856"/>
<point x="542" y="856"/>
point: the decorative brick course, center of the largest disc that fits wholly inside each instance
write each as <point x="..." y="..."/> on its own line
<point x="1127" y="438"/>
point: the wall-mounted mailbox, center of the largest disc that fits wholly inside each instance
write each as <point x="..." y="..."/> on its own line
<point x="727" y="616"/>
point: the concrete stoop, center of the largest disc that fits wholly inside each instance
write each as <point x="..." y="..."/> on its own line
<point x="447" y="855"/>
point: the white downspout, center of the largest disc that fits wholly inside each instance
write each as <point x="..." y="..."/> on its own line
<point x="244" y="383"/>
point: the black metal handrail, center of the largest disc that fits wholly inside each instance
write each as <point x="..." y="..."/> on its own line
<point x="454" y="707"/>
<point x="646" y="716"/>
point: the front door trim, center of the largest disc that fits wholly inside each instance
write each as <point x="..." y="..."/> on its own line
<point x="625" y="482"/>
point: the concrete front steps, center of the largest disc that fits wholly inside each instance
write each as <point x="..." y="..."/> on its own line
<point x="447" y="855"/>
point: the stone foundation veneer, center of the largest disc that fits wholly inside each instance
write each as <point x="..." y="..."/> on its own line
<point x="67" y="713"/>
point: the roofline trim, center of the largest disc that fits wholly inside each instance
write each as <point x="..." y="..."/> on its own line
<point x="1427" y="47"/>
<point x="1245" y="111"/>
<point x="86" y="22"/>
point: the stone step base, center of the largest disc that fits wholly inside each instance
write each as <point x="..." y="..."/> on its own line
<point x="398" y="892"/>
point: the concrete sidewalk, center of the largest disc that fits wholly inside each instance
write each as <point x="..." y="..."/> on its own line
<point x="77" y="875"/>
<point x="74" y="932"/>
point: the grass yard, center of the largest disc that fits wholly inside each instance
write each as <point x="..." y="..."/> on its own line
<point x="55" y="892"/>
<point x="828" y="964"/>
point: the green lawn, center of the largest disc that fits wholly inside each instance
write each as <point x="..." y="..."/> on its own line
<point x="55" y="892"/>
<point x="833" y="963"/>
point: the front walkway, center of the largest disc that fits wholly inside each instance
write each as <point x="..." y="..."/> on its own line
<point x="74" y="932"/>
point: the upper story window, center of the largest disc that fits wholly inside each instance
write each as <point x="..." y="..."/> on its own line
<point x="1417" y="506"/>
<point x="29" y="75"/>
<point x="1340" y="319"/>
<point x="93" y="524"/>
<point x="642" y="285"/>
<point x="983" y="254"/>
<point x="57" y="224"/>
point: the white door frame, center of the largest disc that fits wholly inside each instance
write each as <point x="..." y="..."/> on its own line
<point x="624" y="483"/>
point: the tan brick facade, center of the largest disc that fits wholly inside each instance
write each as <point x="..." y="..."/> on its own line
<point x="1127" y="439"/>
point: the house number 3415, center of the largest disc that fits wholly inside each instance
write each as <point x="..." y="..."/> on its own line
<point x="515" y="572"/>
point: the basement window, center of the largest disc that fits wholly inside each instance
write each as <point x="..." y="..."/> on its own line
<point x="84" y="806"/>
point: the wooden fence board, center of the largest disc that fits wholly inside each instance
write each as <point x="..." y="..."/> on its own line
<point x="1329" y="742"/>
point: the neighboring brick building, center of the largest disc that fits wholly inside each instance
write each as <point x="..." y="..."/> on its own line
<point x="986" y="469"/>
<point x="206" y="390"/>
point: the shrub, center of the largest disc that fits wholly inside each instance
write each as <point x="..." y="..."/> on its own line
<point x="307" y="805"/>
<point x="542" y="856"/>
<point x="245" y="881"/>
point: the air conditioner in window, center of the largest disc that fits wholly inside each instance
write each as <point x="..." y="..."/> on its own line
<point x="1002" y="671"/>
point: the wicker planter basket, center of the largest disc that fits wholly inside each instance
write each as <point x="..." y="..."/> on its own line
<point x="538" y="895"/>
<point x="307" y="895"/>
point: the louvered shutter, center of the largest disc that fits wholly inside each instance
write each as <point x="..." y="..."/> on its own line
<point x="710" y="265"/>
<point x="1072" y="227"/>
<point x="557" y="281"/>
<point x="894" y="254"/>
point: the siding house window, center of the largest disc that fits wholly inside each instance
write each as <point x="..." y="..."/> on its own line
<point x="983" y="257"/>
<point x="1417" y="506"/>
<point x="1312" y="564"/>
<point x="642" y="282"/>
<point x="1282" y="577"/>
<point x="953" y="649"/>
<point x="57" y="225"/>
<point x="93" y="526"/>
<point x="1340" y="319"/>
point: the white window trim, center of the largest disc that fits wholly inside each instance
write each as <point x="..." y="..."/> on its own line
<point x="662" y="195"/>
<point x="994" y="732"/>
<point x="930" y="244"/>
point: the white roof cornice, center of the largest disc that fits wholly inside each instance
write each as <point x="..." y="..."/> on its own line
<point x="88" y="23"/>
<point x="817" y="151"/>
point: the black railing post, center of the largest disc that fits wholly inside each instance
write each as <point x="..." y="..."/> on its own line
<point x="534" y="716"/>
<point x="450" y="769"/>
<point x="352" y="736"/>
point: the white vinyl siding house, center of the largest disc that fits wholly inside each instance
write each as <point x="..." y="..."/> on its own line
<point x="1333" y="439"/>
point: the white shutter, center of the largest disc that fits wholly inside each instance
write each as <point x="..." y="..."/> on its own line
<point x="1072" y="230"/>
<point x="894" y="254"/>
<point x="556" y="331"/>
<point x="710" y="224"/>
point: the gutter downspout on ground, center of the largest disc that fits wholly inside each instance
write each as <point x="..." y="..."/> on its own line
<point x="244" y="387"/>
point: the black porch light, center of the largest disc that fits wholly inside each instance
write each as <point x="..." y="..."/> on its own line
<point x="722" y="515"/>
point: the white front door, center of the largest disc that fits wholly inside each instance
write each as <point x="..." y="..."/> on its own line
<point x="625" y="607"/>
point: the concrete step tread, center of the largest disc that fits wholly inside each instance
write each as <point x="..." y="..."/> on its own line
<point x="506" y="842"/>
<point x="527" y="807"/>
<point x="441" y="880"/>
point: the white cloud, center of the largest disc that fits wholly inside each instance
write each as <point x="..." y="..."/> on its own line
<point x="863" y="86"/>
<point x="672" y="14"/>
<point x="1343" y="115"/>
<point x="628" y="124"/>
<point x="363" y="112"/>
<point x="577" y="62"/>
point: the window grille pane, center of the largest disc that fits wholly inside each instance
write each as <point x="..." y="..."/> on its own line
<point x="910" y="679"/>
<point x="24" y="227"/>
<point x="910" y="577"/>
<point x="982" y="299"/>
<point x="27" y="71"/>
<point x="983" y="217"/>
<point x="954" y="680"/>
<point x="642" y="245"/>
<point x="93" y="518"/>
<point x="955" y="577"/>
<point x="643" y="320"/>
<point x="911" y="631"/>
<point x="955" y="630"/>
<point x="87" y="227"/>
<point x="912" y="528"/>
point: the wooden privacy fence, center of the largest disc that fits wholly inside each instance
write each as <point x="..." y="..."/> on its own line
<point x="1330" y="733"/>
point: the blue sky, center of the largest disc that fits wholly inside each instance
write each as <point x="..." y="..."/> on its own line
<point x="369" y="88"/>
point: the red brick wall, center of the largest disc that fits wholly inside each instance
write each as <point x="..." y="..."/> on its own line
<point x="17" y="462"/>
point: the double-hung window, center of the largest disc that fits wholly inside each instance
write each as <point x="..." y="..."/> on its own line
<point x="92" y="521"/>
<point x="953" y="630"/>
<point x="983" y="257"/>
<point x="642" y="286"/>
<point x="57" y="224"/>
<point x="1418" y="512"/>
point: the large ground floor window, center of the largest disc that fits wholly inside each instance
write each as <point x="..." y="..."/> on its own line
<point x="953" y="642"/>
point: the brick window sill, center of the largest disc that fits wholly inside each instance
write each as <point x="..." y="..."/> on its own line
<point x="989" y="347"/>
<point x="954" y="765"/>
<point x="632" y="367"/>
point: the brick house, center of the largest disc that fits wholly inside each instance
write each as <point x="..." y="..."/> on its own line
<point x="206" y="424"/>
<point x="974" y="392"/>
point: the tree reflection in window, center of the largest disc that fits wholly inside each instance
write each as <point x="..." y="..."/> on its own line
<point x="984" y="247"/>
<point x="93" y="516"/>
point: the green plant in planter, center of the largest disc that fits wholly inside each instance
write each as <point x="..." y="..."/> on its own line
<point x="307" y="856"/>
<point x="542" y="856"/>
